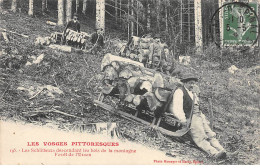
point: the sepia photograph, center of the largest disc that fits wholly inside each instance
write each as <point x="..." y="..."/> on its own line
<point x="129" y="82"/>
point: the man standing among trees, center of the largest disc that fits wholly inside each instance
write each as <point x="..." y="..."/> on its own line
<point x="200" y="131"/>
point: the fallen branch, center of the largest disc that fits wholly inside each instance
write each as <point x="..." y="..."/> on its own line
<point x="90" y="80"/>
<point x="15" y="33"/>
<point x="37" y="93"/>
<point x="54" y="111"/>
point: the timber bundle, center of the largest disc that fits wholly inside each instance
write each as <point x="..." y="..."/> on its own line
<point x="134" y="84"/>
<point x="76" y="38"/>
<point x="152" y="53"/>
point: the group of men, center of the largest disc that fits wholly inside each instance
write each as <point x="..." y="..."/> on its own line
<point x="184" y="99"/>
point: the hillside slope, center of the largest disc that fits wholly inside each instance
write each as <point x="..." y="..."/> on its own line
<point x="235" y="97"/>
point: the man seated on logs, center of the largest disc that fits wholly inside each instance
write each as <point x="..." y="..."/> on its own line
<point x="200" y="131"/>
<point x="97" y="39"/>
<point x="72" y="25"/>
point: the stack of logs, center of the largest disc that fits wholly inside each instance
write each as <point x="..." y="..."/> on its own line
<point x="151" y="53"/>
<point x="56" y="37"/>
<point x="135" y="84"/>
<point x="76" y="38"/>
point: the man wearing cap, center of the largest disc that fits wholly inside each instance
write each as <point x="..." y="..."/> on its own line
<point x="200" y="131"/>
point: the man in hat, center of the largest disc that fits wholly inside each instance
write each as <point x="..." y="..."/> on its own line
<point x="201" y="133"/>
<point x="72" y="25"/>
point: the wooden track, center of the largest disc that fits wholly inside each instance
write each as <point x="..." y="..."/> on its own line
<point x="109" y="108"/>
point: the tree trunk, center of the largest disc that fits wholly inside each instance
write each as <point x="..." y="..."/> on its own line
<point x="1" y="3"/>
<point x="116" y="10"/>
<point x="148" y="26"/>
<point x="137" y="15"/>
<point x="77" y="6"/>
<point x="100" y="15"/>
<point x="84" y="8"/>
<point x="198" y="25"/>
<point x="30" y="12"/>
<point x="120" y="12"/>
<point x="220" y="2"/>
<point x="43" y="6"/>
<point x="14" y="6"/>
<point x="132" y="14"/>
<point x="60" y="12"/>
<point x="68" y="10"/>
<point x="158" y="15"/>
<point x="166" y="19"/>
<point x="128" y="23"/>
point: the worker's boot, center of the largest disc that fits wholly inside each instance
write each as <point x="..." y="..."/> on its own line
<point x="221" y="155"/>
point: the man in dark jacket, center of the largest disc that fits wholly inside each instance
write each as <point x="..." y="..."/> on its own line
<point x="72" y="25"/>
<point x="200" y="131"/>
<point x="97" y="39"/>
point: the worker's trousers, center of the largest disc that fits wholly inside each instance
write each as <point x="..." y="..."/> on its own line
<point x="202" y="135"/>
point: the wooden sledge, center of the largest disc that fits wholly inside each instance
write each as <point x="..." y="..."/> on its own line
<point x="165" y="123"/>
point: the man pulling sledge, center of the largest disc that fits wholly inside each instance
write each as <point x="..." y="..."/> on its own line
<point x="200" y="131"/>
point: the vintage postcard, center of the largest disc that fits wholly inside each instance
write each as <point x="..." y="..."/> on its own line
<point x="129" y="82"/>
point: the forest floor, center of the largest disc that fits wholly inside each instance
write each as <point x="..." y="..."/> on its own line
<point x="235" y="97"/>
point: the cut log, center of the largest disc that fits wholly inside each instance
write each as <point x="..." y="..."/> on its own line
<point x="109" y="58"/>
<point x="146" y="40"/>
<point x="137" y="100"/>
<point x="144" y="52"/>
<point x="61" y="48"/>
<point x="158" y="81"/>
<point x="134" y="42"/>
<point x="129" y="98"/>
<point x="144" y="45"/>
<point x="133" y="56"/>
<point x="147" y="86"/>
<point x="115" y="65"/>
<point x="152" y="101"/>
<point x="126" y="73"/>
<point x="51" y="23"/>
<point x="110" y="73"/>
<point x="6" y="37"/>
